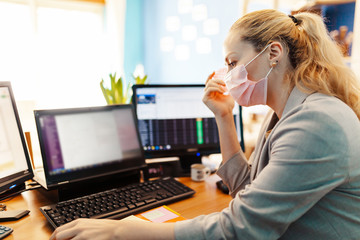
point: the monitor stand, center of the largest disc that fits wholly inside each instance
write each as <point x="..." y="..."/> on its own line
<point x="178" y="166"/>
<point x="83" y="188"/>
<point x="185" y="164"/>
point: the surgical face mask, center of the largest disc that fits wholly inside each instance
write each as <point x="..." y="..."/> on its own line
<point x="244" y="91"/>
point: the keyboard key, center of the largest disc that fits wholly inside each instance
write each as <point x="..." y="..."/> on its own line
<point x="147" y="201"/>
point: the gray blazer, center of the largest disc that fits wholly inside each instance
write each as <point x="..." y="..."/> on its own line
<point x="302" y="181"/>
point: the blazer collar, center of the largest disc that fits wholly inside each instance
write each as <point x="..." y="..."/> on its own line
<point x="296" y="98"/>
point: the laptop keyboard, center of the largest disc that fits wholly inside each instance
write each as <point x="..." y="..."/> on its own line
<point x="119" y="202"/>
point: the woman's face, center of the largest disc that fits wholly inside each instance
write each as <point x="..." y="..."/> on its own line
<point x="238" y="52"/>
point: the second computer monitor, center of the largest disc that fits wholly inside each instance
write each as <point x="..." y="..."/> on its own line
<point x="173" y="121"/>
<point x="15" y="165"/>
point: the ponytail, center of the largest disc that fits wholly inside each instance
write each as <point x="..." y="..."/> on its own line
<point x="321" y="67"/>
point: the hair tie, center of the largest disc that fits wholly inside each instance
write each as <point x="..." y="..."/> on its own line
<point x="294" y="19"/>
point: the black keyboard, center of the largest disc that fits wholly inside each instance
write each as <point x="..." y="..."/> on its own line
<point x="119" y="202"/>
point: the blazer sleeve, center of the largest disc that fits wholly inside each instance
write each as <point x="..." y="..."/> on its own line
<point x="235" y="173"/>
<point x="306" y="162"/>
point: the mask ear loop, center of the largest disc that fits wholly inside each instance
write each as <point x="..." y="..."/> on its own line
<point x="258" y="54"/>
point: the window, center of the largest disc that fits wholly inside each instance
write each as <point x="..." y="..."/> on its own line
<point x="54" y="52"/>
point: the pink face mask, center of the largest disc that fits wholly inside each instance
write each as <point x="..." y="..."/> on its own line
<point x="244" y="91"/>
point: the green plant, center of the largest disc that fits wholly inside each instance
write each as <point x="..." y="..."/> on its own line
<point x="139" y="80"/>
<point x="118" y="93"/>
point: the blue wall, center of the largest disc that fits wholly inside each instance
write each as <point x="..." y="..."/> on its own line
<point x="163" y="67"/>
<point x="146" y="26"/>
<point x="133" y="42"/>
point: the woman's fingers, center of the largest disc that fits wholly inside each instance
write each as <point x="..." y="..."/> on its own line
<point x="66" y="234"/>
<point x="86" y="229"/>
<point x="210" y="77"/>
<point x="213" y="89"/>
<point x="215" y="84"/>
<point x="216" y="81"/>
<point x="63" y="231"/>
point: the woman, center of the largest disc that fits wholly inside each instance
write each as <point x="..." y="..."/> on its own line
<point x="303" y="180"/>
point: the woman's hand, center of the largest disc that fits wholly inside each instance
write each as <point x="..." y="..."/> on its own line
<point x="222" y="106"/>
<point x="215" y="99"/>
<point x="99" y="229"/>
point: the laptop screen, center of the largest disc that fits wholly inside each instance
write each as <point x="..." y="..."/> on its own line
<point x="83" y="143"/>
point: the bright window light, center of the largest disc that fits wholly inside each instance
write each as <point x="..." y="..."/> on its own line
<point x="70" y="58"/>
<point x="16" y="47"/>
<point x="54" y="55"/>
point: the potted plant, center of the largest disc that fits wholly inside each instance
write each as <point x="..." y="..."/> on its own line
<point x="119" y="92"/>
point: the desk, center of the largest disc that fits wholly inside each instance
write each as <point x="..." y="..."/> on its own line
<point x="207" y="199"/>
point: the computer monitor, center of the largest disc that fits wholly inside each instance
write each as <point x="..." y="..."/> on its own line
<point x="15" y="165"/>
<point x="81" y="146"/>
<point x="173" y="121"/>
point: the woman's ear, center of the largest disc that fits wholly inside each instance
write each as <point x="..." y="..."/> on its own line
<point x="276" y="51"/>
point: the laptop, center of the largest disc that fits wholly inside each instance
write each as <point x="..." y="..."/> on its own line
<point x="82" y="144"/>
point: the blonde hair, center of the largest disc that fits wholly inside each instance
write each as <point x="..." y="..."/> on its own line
<point x="316" y="61"/>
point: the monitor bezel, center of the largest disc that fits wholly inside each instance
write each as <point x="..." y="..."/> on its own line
<point x="203" y="151"/>
<point x="19" y="178"/>
<point x="87" y="174"/>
